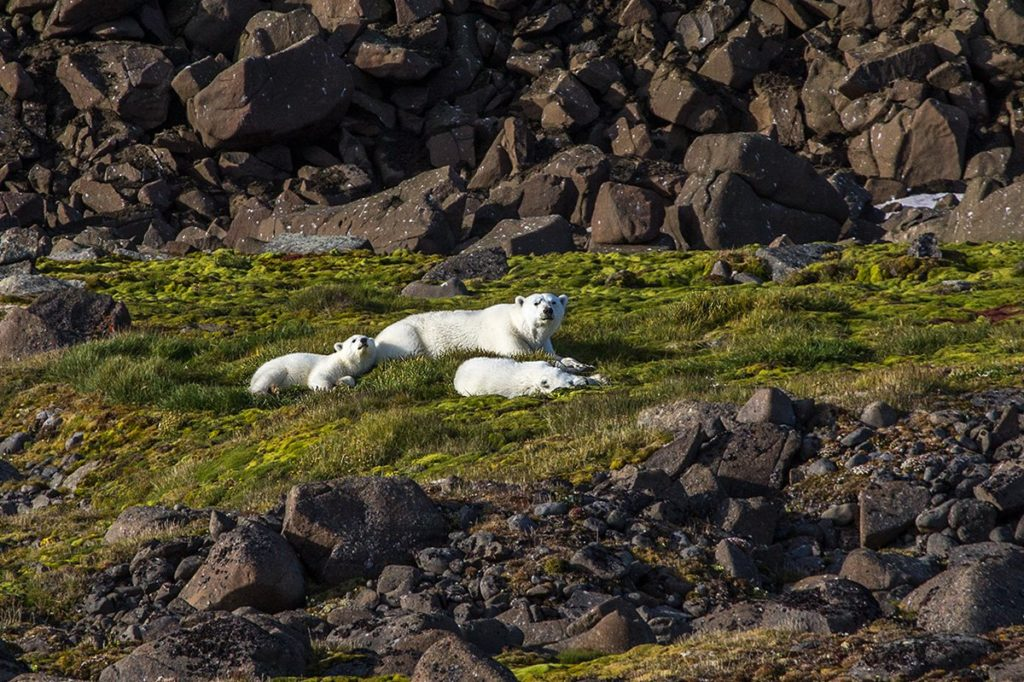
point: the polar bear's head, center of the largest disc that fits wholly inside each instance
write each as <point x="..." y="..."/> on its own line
<point x="357" y="350"/>
<point x="543" y="311"/>
<point x="546" y="379"/>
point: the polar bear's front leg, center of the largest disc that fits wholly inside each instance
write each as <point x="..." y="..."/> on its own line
<point x="570" y="365"/>
<point x="346" y="381"/>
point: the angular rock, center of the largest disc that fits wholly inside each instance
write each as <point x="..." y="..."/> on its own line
<point x="507" y="155"/>
<point x="913" y="657"/>
<point x="446" y="289"/>
<point x="882" y="65"/>
<point x="888" y="509"/>
<point x="422" y="214"/>
<point x="1005" y="20"/>
<point x="676" y="97"/>
<point x="60" y="319"/>
<point x="756" y="459"/>
<point x="377" y="56"/>
<point x="530" y="236"/>
<point x="217" y="646"/>
<point x="248" y="566"/>
<point x="452" y="660"/>
<point x="354" y="526"/>
<point x="256" y="101"/>
<point x="1004" y="489"/>
<point x="131" y="80"/>
<point x="677" y="456"/>
<point x="767" y="405"/>
<point x="625" y="214"/>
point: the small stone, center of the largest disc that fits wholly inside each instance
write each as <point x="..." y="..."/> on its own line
<point x="768" y="405"/>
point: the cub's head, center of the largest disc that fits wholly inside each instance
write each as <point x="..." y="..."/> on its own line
<point x="544" y="311"/>
<point x="357" y="349"/>
<point x="547" y="379"/>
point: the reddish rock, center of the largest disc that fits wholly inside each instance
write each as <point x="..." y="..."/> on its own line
<point x="130" y="80"/>
<point x="267" y="99"/>
<point x="15" y="81"/>
<point x="559" y="101"/>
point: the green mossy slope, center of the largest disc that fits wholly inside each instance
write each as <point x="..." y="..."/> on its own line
<point x="166" y="416"/>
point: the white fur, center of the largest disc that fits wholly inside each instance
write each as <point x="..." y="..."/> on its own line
<point x="507" y="329"/>
<point x="351" y="358"/>
<point x="509" y="378"/>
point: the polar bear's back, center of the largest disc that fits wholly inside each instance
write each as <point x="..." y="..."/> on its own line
<point x="436" y="333"/>
<point x="500" y="376"/>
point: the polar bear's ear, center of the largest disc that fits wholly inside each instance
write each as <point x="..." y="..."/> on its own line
<point x="338" y="346"/>
<point x="564" y="299"/>
<point x="520" y="300"/>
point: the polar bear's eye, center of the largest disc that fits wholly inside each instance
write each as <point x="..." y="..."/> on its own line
<point x="536" y="302"/>
<point x="544" y="383"/>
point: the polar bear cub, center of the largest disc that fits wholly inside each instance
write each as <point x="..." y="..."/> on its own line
<point x="351" y="358"/>
<point x="509" y="378"/>
<point x="506" y="329"/>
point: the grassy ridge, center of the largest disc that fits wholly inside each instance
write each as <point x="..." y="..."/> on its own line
<point x="870" y="323"/>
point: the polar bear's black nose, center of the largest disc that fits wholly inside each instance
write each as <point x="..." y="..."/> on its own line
<point x="363" y="341"/>
<point x="548" y="312"/>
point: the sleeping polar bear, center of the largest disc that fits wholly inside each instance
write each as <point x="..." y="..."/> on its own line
<point x="351" y="358"/>
<point x="504" y="377"/>
<point x="506" y="329"/>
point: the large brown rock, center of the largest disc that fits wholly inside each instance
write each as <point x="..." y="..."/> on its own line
<point x="377" y="56"/>
<point x="60" y="319"/>
<point x="248" y="566"/>
<point x="981" y="590"/>
<point x="130" y="80"/>
<point x="1005" y="20"/>
<point x="69" y="17"/>
<point x="450" y="659"/>
<point x="987" y="214"/>
<point x="916" y="146"/>
<point x="625" y="214"/>
<point x="217" y="646"/>
<point x="676" y="97"/>
<point x="422" y="214"/>
<point x="744" y="188"/>
<point x="355" y="526"/>
<point x="259" y="100"/>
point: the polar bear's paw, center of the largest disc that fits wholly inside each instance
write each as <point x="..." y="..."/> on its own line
<point x="346" y="381"/>
<point x="573" y="366"/>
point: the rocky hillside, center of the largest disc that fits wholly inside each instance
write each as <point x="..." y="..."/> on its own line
<point x="155" y="128"/>
<point x="676" y="523"/>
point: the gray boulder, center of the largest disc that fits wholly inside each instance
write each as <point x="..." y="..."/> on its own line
<point x="355" y="526"/>
<point x="248" y="566"/>
<point x="981" y="590"/>
<point x="241" y="645"/>
<point x="60" y="319"/>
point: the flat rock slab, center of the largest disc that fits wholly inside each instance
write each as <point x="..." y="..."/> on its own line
<point x="888" y="509"/>
<point x="312" y="244"/>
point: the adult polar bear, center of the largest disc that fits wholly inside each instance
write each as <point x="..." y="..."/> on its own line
<point x="506" y="329"/>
